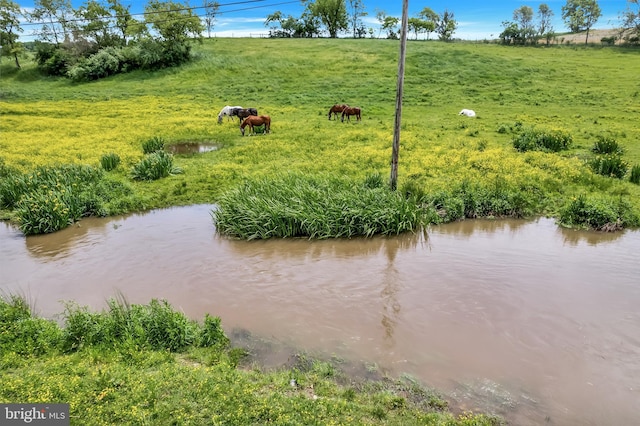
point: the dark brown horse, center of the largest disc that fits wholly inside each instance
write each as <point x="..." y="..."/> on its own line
<point x="243" y="113"/>
<point x="253" y="121"/>
<point x="349" y="111"/>
<point x="337" y="109"/>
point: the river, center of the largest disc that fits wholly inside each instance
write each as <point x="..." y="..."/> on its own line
<point x="521" y="318"/>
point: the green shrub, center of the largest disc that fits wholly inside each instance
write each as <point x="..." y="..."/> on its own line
<point x="542" y="140"/>
<point x="22" y="333"/>
<point x="154" y="326"/>
<point x="313" y="207"/>
<point x="635" y="174"/>
<point x="471" y="200"/>
<point x="109" y="161"/>
<point x="606" y="145"/>
<point x="154" y="166"/>
<point x="152" y="145"/>
<point x="102" y="64"/>
<point x="602" y="214"/>
<point x="611" y="165"/>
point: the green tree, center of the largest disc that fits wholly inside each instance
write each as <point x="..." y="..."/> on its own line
<point x="56" y="17"/>
<point x="390" y="25"/>
<point x="631" y="21"/>
<point x="417" y="26"/>
<point x="446" y="26"/>
<point x="173" y="22"/>
<point x="580" y="15"/>
<point x="332" y="14"/>
<point x="126" y="26"/>
<point x="523" y="16"/>
<point x="10" y="29"/>
<point x="431" y="18"/>
<point x="95" y="18"/>
<point x="210" y="12"/>
<point x="545" y="27"/>
<point x="357" y="12"/>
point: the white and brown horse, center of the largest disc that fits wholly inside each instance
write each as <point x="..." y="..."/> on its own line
<point x="227" y="111"/>
<point x="254" y="121"/>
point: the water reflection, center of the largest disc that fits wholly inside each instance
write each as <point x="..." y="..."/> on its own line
<point x="575" y="237"/>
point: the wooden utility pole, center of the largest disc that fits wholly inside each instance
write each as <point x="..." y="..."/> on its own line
<point x="396" y="127"/>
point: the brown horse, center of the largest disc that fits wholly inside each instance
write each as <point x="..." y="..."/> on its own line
<point x="253" y="120"/>
<point x="243" y="113"/>
<point x="349" y="111"/>
<point x="337" y="109"/>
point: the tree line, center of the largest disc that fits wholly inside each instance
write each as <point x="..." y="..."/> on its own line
<point x="578" y="16"/>
<point x="103" y="37"/>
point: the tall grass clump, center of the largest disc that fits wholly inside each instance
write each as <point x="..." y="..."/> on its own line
<point x="606" y="145"/>
<point x="152" y="145"/>
<point x="473" y="200"/>
<point x="157" y="165"/>
<point x="155" y="326"/>
<point x="531" y="139"/>
<point x="598" y="213"/>
<point x="634" y="177"/>
<point x="51" y="198"/>
<point x="109" y="161"/>
<point x="611" y="165"/>
<point x="22" y="333"/>
<point x="313" y="207"/>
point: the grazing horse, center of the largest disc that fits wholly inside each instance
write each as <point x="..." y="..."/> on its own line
<point x="253" y="121"/>
<point x="337" y="109"/>
<point x="349" y="111"/>
<point x="227" y="111"/>
<point x="243" y="113"/>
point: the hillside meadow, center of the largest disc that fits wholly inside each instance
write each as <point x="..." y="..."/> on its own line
<point x="585" y="92"/>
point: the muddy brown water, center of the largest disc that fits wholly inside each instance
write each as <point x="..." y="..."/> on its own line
<point x="520" y="318"/>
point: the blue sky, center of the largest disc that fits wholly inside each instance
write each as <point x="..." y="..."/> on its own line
<point x="477" y="19"/>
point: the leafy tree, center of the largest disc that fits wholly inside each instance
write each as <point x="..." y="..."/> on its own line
<point x="511" y="33"/>
<point x="418" y="26"/>
<point x="631" y="21"/>
<point x="357" y="12"/>
<point x="390" y="25"/>
<point x="175" y="25"/>
<point x="127" y="26"/>
<point x="545" y="27"/>
<point x="332" y="14"/>
<point x="381" y="15"/>
<point x="446" y="26"/>
<point x="580" y="15"/>
<point x="523" y="16"/>
<point x="210" y="12"/>
<point x="172" y="21"/>
<point x="431" y="18"/>
<point x="56" y="17"/>
<point x="9" y="29"/>
<point x="95" y="24"/>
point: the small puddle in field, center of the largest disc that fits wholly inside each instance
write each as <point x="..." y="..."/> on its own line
<point x="193" y="147"/>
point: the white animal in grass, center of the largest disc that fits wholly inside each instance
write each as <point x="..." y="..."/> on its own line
<point x="468" y="112"/>
<point x="227" y="111"/>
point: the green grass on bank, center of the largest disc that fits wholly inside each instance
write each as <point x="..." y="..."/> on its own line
<point x="150" y="365"/>
<point x="586" y="93"/>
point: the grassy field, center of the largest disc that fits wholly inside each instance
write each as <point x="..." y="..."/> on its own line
<point x="586" y="92"/>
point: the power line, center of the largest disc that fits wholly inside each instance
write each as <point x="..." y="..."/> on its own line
<point x="107" y="18"/>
